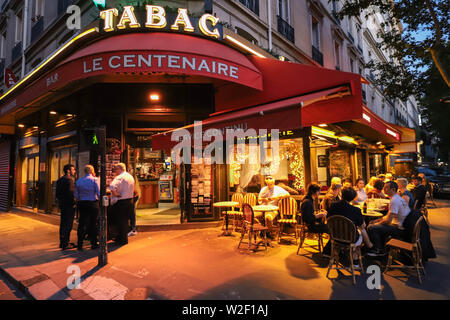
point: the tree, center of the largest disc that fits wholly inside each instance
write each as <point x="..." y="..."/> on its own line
<point x="404" y="73"/>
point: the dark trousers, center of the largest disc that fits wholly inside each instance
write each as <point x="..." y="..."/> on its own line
<point x="133" y="214"/>
<point x="66" y="224"/>
<point x="123" y="211"/>
<point x="87" y="223"/>
<point x="321" y="228"/>
<point x="379" y="233"/>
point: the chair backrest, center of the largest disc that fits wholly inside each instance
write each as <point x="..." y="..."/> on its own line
<point x="287" y="207"/>
<point x="248" y="214"/>
<point x="250" y="199"/>
<point x="342" y="229"/>
<point x="416" y="232"/>
<point x="238" y="197"/>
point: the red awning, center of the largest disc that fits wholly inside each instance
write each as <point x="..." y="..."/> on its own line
<point x="370" y="119"/>
<point x="142" y="54"/>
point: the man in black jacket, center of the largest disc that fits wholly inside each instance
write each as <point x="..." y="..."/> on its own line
<point x="66" y="200"/>
<point x="419" y="192"/>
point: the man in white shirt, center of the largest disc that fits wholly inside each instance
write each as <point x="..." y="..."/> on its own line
<point x="122" y="188"/>
<point x="271" y="195"/>
<point x="391" y="224"/>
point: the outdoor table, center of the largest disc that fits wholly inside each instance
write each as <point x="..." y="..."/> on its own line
<point x="372" y="215"/>
<point x="226" y="204"/>
<point x="261" y="210"/>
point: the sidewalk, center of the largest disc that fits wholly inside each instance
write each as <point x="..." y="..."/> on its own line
<point x="198" y="264"/>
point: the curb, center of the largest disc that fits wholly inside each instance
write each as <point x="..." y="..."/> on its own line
<point x="23" y="289"/>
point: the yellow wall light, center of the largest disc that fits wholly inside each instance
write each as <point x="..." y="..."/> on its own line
<point x="243" y="46"/>
<point x="331" y="134"/>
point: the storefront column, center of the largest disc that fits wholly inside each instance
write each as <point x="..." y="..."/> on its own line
<point x="307" y="157"/>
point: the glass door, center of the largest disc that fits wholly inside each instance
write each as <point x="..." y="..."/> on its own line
<point x="32" y="180"/>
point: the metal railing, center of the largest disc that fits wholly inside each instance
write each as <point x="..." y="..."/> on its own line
<point x="37" y="29"/>
<point x="253" y="5"/>
<point x="286" y="29"/>
<point x="350" y="36"/>
<point x="16" y="51"/>
<point x="335" y="16"/>
<point x="317" y="55"/>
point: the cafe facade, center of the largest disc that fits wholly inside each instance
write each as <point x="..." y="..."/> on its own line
<point x="145" y="75"/>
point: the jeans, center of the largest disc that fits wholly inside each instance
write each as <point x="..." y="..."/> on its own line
<point x="66" y="224"/>
<point x="379" y="233"/>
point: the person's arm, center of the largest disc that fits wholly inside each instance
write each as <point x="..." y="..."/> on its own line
<point x="97" y="189"/>
<point x="76" y="194"/>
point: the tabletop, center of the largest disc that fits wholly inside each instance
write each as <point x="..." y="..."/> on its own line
<point x="264" y="208"/>
<point x="226" y="204"/>
<point x="372" y="214"/>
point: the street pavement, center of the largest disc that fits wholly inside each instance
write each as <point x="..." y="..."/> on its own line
<point x="198" y="264"/>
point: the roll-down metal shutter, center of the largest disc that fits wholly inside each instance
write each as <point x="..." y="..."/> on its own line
<point x="5" y="151"/>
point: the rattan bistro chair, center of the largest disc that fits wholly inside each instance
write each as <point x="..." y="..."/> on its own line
<point x="236" y="212"/>
<point x="343" y="235"/>
<point x="411" y="248"/>
<point x="252" y="227"/>
<point x="288" y="218"/>
<point x="304" y="233"/>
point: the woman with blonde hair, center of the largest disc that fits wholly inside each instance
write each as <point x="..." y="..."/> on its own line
<point x="331" y="197"/>
<point x="370" y="185"/>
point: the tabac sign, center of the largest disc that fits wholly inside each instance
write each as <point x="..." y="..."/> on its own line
<point x="155" y="18"/>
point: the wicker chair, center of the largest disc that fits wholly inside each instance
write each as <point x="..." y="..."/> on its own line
<point x="413" y="248"/>
<point x="251" y="199"/>
<point x="343" y="235"/>
<point x="252" y="227"/>
<point x="288" y="218"/>
<point x="304" y="233"/>
<point x="236" y="212"/>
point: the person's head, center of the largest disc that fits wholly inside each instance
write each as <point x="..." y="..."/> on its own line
<point x="416" y="180"/>
<point x="69" y="169"/>
<point x="270" y="182"/>
<point x="389" y="177"/>
<point x="379" y="185"/>
<point x="360" y="183"/>
<point x="89" y="169"/>
<point x="347" y="183"/>
<point x="349" y="194"/>
<point x="313" y="190"/>
<point x="382" y="177"/>
<point x="390" y="188"/>
<point x="424" y="179"/>
<point x="372" y="181"/>
<point x="402" y="183"/>
<point x="255" y="179"/>
<point x="336" y="180"/>
<point x="335" y="189"/>
<point x="120" y="168"/>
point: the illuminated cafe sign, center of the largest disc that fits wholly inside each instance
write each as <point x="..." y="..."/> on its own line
<point x="155" y="18"/>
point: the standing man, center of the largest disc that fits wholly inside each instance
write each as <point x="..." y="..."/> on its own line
<point x="122" y="188"/>
<point x="419" y="192"/>
<point x="87" y="192"/>
<point x="66" y="200"/>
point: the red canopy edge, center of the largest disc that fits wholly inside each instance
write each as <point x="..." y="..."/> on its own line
<point x="370" y="119"/>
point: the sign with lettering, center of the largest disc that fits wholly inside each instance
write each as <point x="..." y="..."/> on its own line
<point x="10" y="78"/>
<point x="156" y="18"/>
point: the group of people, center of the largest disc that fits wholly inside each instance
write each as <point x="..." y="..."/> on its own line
<point x="344" y="199"/>
<point x="84" y="195"/>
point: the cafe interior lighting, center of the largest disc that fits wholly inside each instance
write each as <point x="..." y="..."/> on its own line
<point x="21" y="125"/>
<point x="323" y="125"/>
<point x="331" y="134"/>
<point x="243" y="46"/>
<point x="155" y="97"/>
<point x="53" y="113"/>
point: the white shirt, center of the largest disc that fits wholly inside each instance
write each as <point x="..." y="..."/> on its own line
<point x="399" y="210"/>
<point x="272" y="193"/>
<point x="362" y="196"/>
<point x="123" y="184"/>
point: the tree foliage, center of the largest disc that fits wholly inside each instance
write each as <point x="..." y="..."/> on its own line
<point x="403" y="73"/>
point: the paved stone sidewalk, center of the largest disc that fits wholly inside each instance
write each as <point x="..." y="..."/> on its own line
<point x="198" y="264"/>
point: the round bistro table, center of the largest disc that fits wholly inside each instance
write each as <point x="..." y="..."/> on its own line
<point x="221" y="206"/>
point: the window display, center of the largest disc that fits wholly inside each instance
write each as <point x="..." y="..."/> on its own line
<point x="201" y="188"/>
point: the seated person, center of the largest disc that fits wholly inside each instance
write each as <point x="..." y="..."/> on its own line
<point x="419" y="192"/>
<point x="391" y="224"/>
<point x="344" y="208"/>
<point x="370" y="185"/>
<point x="347" y="183"/>
<point x="377" y="191"/>
<point x="314" y="221"/>
<point x="360" y="192"/>
<point x="270" y="195"/>
<point x="405" y="193"/>
<point x="333" y="195"/>
<point x="389" y="177"/>
<point x="253" y="186"/>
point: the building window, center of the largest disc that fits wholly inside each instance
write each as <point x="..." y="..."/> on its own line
<point x="2" y="45"/>
<point x="337" y="55"/>
<point x="251" y="4"/>
<point x="315" y="32"/>
<point x="19" y="26"/>
<point x="283" y="10"/>
<point x="38" y="9"/>
<point x="352" y="65"/>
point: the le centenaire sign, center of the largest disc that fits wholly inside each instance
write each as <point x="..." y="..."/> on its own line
<point x="156" y="19"/>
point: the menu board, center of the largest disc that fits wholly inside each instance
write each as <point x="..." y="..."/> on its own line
<point x="339" y="164"/>
<point x="201" y="188"/>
